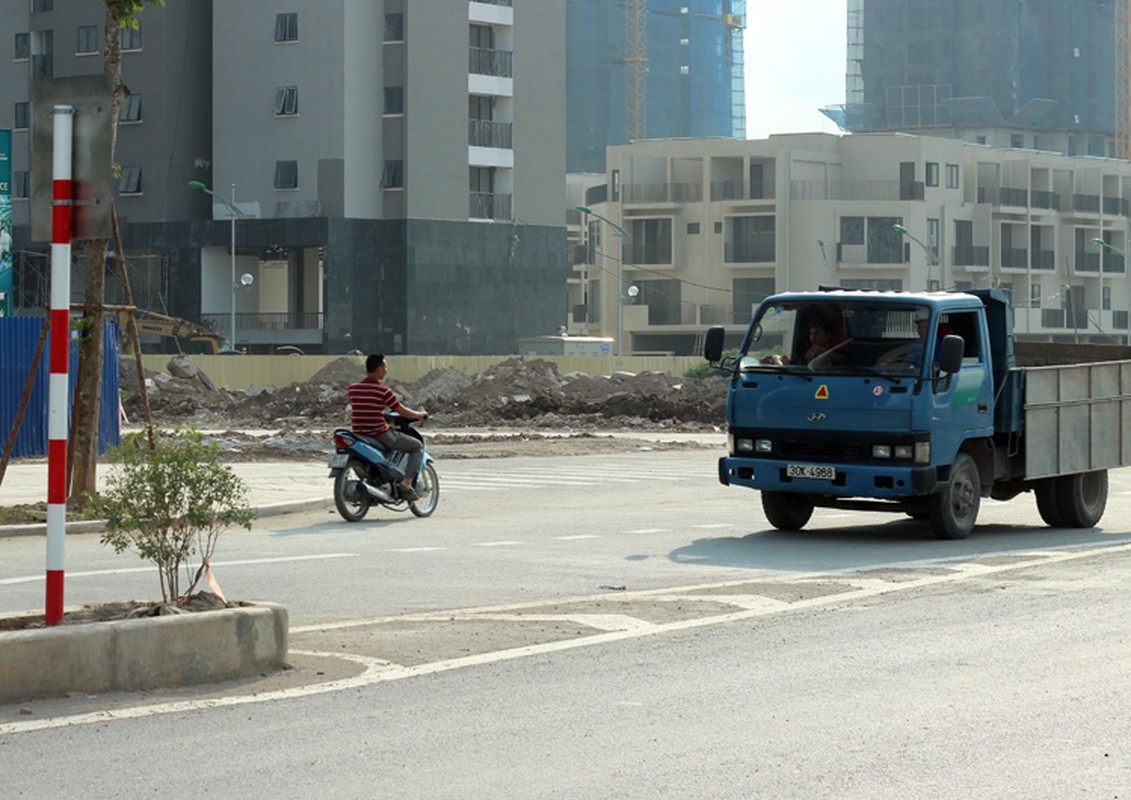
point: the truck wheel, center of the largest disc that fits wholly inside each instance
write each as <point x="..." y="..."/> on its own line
<point x="1048" y="502"/>
<point x="954" y="510"/>
<point x="1083" y="498"/>
<point x="787" y="511"/>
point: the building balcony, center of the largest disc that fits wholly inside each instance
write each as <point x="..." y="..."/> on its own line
<point x="1004" y="196"/>
<point x="1047" y="200"/>
<point x="749" y="253"/>
<point x="970" y="256"/>
<point x="1014" y="258"/>
<point x="486" y="205"/>
<point x="486" y="133"/>
<point x="1113" y="262"/>
<point x="1115" y="206"/>
<point x="1087" y="262"/>
<point x="496" y="63"/>
<point x="1087" y="203"/>
<point x="663" y="193"/>
<point x="1043" y="259"/>
<point x="844" y="190"/>
<point x="741" y="190"/>
<point x="860" y="255"/>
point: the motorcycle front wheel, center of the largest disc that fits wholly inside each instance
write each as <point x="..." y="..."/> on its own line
<point x="349" y="495"/>
<point x="428" y="487"/>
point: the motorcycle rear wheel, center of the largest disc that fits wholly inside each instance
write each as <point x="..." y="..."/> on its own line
<point x="350" y="496"/>
<point x="428" y="487"/>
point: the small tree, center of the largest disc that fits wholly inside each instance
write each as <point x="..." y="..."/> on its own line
<point x="170" y="500"/>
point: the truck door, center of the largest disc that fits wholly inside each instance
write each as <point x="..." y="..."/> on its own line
<point x="962" y="406"/>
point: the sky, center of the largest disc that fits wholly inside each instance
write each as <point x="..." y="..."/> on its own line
<point x="795" y="51"/>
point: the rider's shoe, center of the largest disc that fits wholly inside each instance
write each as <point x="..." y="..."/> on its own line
<point x="409" y="494"/>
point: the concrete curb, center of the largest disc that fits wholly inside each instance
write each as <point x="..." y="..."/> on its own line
<point x="97" y="526"/>
<point x="142" y="654"/>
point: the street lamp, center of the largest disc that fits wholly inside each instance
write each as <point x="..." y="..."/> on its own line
<point x="233" y="212"/>
<point x="932" y="259"/>
<point x="621" y="232"/>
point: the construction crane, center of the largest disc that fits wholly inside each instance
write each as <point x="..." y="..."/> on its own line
<point x="1123" y="79"/>
<point x="635" y="69"/>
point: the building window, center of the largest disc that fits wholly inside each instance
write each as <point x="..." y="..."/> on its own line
<point x="932" y="173"/>
<point x="42" y="5"/>
<point x="286" y="174"/>
<point x="718" y="227"/>
<point x="129" y="182"/>
<point x="23" y="47"/>
<point x="692" y="228"/>
<point x="286" y="27"/>
<point x="952" y="176"/>
<point x="651" y="241"/>
<point x="394" y="99"/>
<point x="1106" y="294"/>
<point x="852" y="230"/>
<point x="22" y="116"/>
<point x="131" y="38"/>
<point x="394" y="27"/>
<point x="1015" y="140"/>
<point x="1034" y="295"/>
<point x="88" y="40"/>
<point x="752" y="240"/>
<point x="286" y="101"/>
<point x="21" y="185"/>
<point x="131" y="109"/>
<point x="392" y="175"/>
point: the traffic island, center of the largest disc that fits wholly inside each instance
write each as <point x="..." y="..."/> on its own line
<point x="140" y="654"/>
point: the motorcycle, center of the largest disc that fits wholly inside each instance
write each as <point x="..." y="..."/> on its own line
<point x="366" y="473"/>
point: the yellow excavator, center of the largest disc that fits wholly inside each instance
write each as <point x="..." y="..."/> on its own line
<point x="162" y="325"/>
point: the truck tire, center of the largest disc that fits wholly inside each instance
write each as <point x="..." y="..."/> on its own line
<point x="1082" y="498"/>
<point x="954" y="510"/>
<point x="787" y="511"/>
<point x="1048" y="502"/>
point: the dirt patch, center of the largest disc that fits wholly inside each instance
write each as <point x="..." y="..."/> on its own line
<point x="126" y="609"/>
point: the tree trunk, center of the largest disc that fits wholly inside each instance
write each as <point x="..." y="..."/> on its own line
<point x="83" y="452"/>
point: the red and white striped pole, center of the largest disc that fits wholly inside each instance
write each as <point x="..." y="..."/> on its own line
<point x="58" y="386"/>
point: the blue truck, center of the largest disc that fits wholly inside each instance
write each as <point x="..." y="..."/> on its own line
<point x="918" y="403"/>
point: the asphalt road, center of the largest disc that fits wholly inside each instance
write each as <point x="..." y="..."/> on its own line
<point x="491" y="651"/>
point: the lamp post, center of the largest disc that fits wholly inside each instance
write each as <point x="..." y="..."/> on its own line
<point x="932" y="259"/>
<point x="1123" y="253"/>
<point x="233" y="212"/>
<point x="621" y="232"/>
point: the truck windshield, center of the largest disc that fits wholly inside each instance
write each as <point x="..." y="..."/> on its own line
<point x="837" y="337"/>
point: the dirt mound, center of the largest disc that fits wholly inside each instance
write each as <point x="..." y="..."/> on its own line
<point x="530" y="393"/>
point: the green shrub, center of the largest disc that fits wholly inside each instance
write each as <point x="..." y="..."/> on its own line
<point x="705" y="370"/>
<point x="170" y="502"/>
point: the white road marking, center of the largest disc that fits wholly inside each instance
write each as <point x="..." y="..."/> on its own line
<point x="417" y="549"/>
<point x="578" y="536"/>
<point x="378" y="671"/>
<point x="127" y="570"/>
<point x="497" y="544"/>
<point x="650" y="530"/>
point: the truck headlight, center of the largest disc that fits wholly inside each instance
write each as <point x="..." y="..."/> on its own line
<point x="763" y="446"/>
<point x="881" y="451"/>
<point x="903" y="451"/>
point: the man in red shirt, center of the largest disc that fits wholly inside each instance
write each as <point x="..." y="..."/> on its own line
<point x="369" y="399"/>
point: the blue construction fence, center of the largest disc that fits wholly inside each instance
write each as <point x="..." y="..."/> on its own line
<point x="18" y="338"/>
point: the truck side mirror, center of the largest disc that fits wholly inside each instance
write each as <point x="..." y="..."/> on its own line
<point x="713" y="345"/>
<point x="950" y="353"/>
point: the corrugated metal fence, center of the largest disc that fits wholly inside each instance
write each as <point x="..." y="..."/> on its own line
<point x="18" y="337"/>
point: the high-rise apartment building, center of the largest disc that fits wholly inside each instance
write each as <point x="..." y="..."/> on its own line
<point x="651" y="69"/>
<point x="397" y="168"/>
<point x="1034" y="75"/>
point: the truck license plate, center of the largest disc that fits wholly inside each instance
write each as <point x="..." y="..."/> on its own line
<point x="810" y="471"/>
<point x="339" y="460"/>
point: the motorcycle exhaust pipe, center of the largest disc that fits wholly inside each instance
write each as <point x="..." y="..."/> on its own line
<point x="380" y="494"/>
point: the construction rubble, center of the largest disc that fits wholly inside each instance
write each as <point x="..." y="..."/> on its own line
<point x="516" y="393"/>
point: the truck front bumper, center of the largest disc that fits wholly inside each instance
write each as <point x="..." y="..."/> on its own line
<point x="883" y="481"/>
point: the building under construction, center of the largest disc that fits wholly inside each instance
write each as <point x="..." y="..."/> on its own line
<point x="651" y="69"/>
<point x="1037" y="74"/>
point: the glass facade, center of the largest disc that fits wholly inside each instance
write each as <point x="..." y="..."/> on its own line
<point x="967" y="64"/>
<point x="694" y="77"/>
